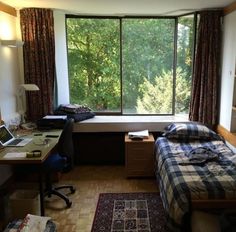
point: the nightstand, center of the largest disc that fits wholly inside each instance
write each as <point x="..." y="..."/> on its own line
<point x="139" y="157"/>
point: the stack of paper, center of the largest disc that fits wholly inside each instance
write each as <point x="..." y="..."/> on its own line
<point x="55" y="117"/>
<point x="13" y="155"/>
<point x="34" y="223"/>
<point x="139" y="134"/>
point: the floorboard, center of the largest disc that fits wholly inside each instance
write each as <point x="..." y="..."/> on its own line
<point x="89" y="182"/>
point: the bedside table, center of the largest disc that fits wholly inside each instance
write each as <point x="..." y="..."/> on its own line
<point x="139" y="157"/>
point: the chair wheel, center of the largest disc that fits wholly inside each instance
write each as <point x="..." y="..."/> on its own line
<point x="69" y="204"/>
<point x="72" y="190"/>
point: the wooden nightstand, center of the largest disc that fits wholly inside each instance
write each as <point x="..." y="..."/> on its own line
<point x="139" y="157"/>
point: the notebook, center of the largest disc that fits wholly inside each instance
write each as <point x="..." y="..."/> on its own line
<point x="8" y="139"/>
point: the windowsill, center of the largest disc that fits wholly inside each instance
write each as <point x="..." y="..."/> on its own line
<point x="127" y="123"/>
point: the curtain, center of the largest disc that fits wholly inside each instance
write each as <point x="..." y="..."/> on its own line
<point x="204" y="106"/>
<point x="37" y="27"/>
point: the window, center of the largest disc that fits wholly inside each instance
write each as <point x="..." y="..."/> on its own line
<point x="94" y="63"/>
<point x="130" y="65"/>
<point x="184" y="63"/>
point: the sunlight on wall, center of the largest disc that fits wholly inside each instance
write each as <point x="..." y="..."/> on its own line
<point x="7" y="31"/>
<point x="9" y="70"/>
<point x="8" y="78"/>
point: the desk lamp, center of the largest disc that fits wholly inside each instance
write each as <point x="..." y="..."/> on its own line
<point x="20" y="98"/>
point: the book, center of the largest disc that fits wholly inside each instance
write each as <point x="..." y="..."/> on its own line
<point x="144" y="134"/>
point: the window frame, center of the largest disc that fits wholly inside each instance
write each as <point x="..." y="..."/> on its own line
<point x="174" y="63"/>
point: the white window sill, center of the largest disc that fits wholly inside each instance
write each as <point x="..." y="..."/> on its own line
<point x="127" y="123"/>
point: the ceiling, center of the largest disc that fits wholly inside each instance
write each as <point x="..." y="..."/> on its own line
<point x="122" y="7"/>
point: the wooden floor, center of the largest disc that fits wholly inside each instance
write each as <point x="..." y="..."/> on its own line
<point x="89" y="182"/>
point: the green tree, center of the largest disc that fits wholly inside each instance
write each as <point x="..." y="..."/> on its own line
<point x="185" y="44"/>
<point x="157" y="97"/>
<point x="93" y="60"/>
<point x="147" y="49"/>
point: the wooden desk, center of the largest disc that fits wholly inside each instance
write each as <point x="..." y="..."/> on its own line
<point x="39" y="142"/>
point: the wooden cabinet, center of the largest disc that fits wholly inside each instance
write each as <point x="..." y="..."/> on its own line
<point x="139" y="157"/>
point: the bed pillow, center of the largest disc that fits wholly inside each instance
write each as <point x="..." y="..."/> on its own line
<point x="189" y="131"/>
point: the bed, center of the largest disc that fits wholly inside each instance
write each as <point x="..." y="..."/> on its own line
<point x="195" y="169"/>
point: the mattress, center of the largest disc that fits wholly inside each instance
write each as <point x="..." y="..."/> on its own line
<point x="182" y="182"/>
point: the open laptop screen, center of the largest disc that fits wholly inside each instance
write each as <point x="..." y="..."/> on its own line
<point x="5" y="135"/>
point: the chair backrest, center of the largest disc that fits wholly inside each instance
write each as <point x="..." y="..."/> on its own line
<point x="65" y="146"/>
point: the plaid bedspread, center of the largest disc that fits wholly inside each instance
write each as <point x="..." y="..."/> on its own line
<point x="179" y="184"/>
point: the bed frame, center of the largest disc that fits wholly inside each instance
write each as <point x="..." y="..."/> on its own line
<point x="227" y="135"/>
<point x="213" y="204"/>
<point x="218" y="204"/>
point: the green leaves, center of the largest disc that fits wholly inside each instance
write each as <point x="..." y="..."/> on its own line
<point x="157" y="97"/>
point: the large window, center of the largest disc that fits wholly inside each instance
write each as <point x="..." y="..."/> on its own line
<point x="130" y="65"/>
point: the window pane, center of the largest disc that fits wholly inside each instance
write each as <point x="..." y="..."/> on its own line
<point x="184" y="63"/>
<point x="148" y="68"/>
<point x="94" y="63"/>
<point x="147" y="71"/>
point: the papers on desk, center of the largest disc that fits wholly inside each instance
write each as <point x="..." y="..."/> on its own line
<point x="13" y="155"/>
<point x="139" y="134"/>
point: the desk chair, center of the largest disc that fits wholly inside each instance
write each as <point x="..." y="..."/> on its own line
<point x="62" y="161"/>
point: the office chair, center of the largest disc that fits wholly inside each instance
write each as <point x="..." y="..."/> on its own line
<point x="62" y="161"/>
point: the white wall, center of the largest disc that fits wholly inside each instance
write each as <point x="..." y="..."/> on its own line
<point x="9" y="78"/>
<point x="9" y="68"/>
<point x="61" y="57"/>
<point x="228" y="70"/>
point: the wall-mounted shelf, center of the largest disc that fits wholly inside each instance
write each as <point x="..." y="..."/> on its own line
<point x="12" y="43"/>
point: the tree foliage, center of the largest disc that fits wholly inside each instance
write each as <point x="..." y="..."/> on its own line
<point x="157" y="97"/>
<point x="146" y="52"/>
<point x="93" y="52"/>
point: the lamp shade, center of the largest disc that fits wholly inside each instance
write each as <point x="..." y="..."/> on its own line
<point x="21" y="98"/>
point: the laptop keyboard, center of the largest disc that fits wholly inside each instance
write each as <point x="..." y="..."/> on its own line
<point x="15" y="142"/>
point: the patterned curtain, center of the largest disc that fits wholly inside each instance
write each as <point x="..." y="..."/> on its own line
<point x="204" y="106"/>
<point x="37" y="27"/>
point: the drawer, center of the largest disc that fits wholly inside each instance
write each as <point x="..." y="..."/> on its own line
<point x="139" y="173"/>
<point x="135" y="150"/>
<point x="140" y="168"/>
<point x="140" y="159"/>
<point x="140" y="164"/>
<point x="139" y="146"/>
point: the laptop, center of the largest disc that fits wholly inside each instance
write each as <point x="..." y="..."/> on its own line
<point x="8" y="139"/>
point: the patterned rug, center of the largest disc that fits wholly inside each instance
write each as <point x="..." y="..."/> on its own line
<point x="129" y="212"/>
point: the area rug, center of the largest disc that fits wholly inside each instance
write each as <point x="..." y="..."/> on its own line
<point x="129" y="212"/>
